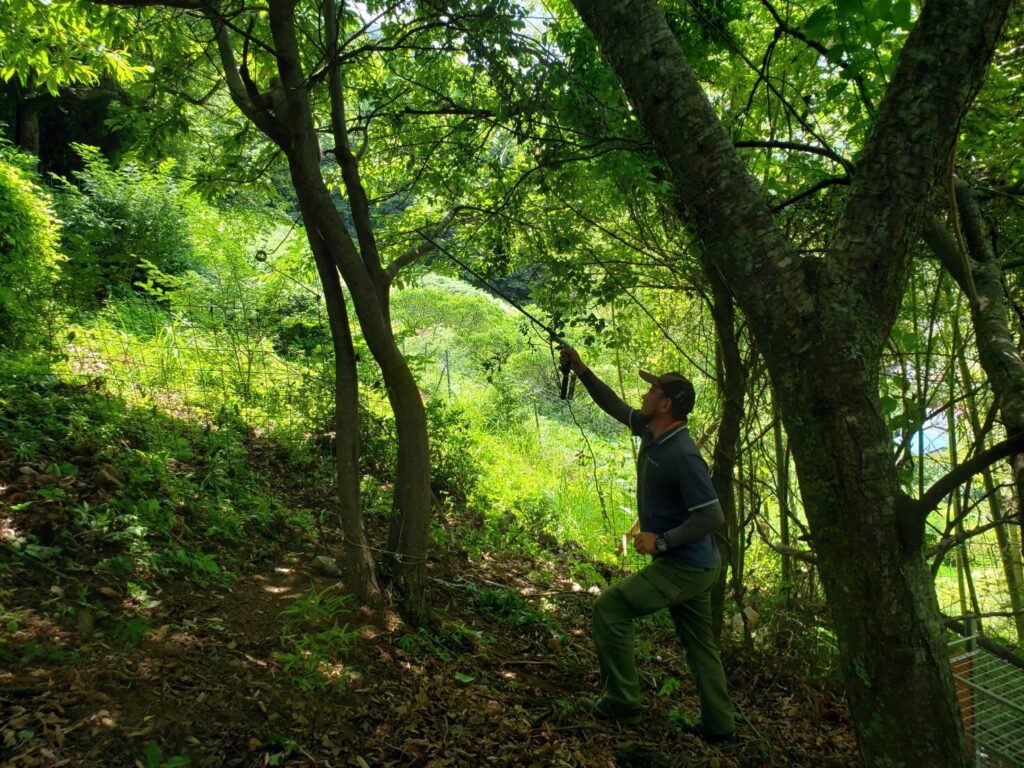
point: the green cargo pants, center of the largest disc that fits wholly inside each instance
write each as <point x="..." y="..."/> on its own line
<point x="686" y="592"/>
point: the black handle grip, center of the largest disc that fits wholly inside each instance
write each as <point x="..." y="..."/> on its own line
<point x="563" y="393"/>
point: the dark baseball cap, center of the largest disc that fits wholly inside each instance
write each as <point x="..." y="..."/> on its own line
<point x="675" y="386"/>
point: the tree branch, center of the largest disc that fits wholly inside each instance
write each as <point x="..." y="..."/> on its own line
<point x="416" y="252"/>
<point x="941" y="68"/>
<point x="828" y="181"/>
<point x="947" y="543"/>
<point x="742" y="238"/>
<point x="796" y="34"/>
<point x="240" y="94"/>
<point x="796" y="146"/>
<point x="188" y="5"/>
<point x="930" y="499"/>
<point x="989" y="645"/>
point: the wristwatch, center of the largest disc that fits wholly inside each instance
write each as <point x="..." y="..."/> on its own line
<point x="661" y="545"/>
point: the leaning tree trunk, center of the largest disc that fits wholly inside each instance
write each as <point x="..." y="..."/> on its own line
<point x="821" y="332"/>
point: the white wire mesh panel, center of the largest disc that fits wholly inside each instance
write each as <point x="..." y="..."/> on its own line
<point x="991" y="696"/>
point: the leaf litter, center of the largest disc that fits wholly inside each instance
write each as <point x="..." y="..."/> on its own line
<point x="278" y="669"/>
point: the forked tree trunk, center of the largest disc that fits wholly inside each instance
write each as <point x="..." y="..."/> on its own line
<point x="289" y="123"/>
<point x="412" y="485"/>
<point x="821" y="334"/>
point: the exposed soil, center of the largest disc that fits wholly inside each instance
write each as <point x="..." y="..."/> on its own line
<point x="205" y="683"/>
<point x="92" y="674"/>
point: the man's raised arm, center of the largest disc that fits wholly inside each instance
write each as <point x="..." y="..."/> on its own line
<point x="603" y="395"/>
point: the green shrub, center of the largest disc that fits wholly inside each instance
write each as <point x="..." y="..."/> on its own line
<point x="454" y="466"/>
<point x="29" y="256"/>
<point x="116" y="219"/>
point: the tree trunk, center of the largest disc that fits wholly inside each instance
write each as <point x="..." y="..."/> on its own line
<point x="821" y="332"/>
<point x="26" y="117"/>
<point x="408" y="534"/>
<point x="360" y="569"/>
<point x="289" y="123"/>
<point x="782" y="484"/>
<point x="732" y="382"/>
<point x="881" y="596"/>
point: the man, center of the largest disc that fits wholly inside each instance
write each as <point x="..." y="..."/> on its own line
<point x="678" y="512"/>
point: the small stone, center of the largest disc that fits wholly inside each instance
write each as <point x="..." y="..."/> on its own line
<point x="326" y="566"/>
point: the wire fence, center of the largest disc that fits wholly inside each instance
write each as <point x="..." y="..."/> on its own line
<point x="200" y="363"/>
<point x="990" y="692"/>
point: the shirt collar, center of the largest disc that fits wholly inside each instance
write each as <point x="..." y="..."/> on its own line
<point x="670" y="434"/>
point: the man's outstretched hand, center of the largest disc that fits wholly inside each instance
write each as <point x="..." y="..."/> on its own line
<point x="569" y="356"/>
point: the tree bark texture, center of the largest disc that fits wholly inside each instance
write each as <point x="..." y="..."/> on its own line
<point x="821" y="329"/>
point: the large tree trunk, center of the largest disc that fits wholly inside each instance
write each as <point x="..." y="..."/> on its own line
<point x="821" y="332"/>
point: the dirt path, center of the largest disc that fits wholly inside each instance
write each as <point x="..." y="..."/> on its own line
<point x="223" y="680"/>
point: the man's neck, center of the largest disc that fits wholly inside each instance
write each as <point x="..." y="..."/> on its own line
<point x="663" y="424"/>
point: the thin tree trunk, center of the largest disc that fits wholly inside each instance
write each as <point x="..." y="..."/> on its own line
<point x="960" y="500"/>
<point x="1008" y="553"/>
<point x="732" y="382"/>
<point x="782" y="494"/>
<point x="360" y="569"/>
<point x="290" y="126"/>
<point x="408" y="535"/>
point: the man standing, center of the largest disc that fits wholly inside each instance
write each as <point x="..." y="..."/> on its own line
<point x="678" y="512"/>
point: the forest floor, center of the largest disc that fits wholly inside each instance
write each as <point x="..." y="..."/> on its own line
<point x="281" y="668"/>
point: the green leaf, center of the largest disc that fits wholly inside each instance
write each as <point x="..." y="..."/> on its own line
<point x="153" y="755"/>
<point x="901" y="12"/>
<point x="889" y="404"/>
<point x="818" y="22"/>
<point x="872" y="34"/>
<point x="847" y="9"/>
<point x="462" y="677"/>
<point x="835" y="53"/>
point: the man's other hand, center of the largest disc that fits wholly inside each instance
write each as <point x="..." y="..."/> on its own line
<point x="644" y="543"/>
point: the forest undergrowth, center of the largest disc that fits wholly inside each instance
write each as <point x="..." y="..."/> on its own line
<point x="206" y="632"/>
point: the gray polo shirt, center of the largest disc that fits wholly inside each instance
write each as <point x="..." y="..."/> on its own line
<point x="673" y="481"/>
